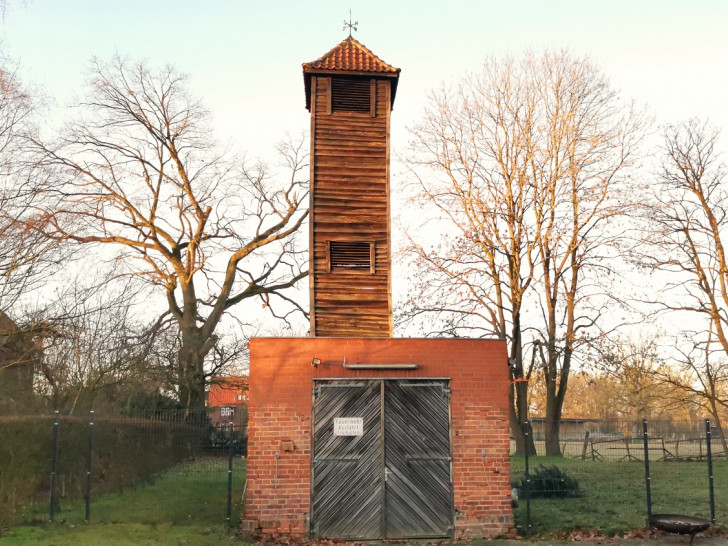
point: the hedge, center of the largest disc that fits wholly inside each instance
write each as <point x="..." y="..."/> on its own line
<point x="126" y="452"/>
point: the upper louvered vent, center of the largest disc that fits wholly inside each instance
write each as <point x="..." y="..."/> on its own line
<point x="351" y="94"/>
<point x="351" y="256"/>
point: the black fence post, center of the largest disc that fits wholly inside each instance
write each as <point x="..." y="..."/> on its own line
<point x="230" y="480"/>
<point x="709" y="452"/>
<point x="56" y="427"/>
<point x="527" y="435"/>
<point x="648" y="487"/>
<point x="91" y="428"/>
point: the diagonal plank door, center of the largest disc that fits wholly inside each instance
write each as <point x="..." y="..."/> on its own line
<point x="391" y="478"/>
<point x="347" y="469"/>
<point x="417" y="459"/>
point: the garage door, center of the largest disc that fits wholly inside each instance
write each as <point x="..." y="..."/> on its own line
<point x="381" y="465"/>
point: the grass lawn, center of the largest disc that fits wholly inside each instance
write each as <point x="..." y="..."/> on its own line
<point x="185" y="505"/>
<point x="613" y="494"/>
<point x="95" y="534"/>
<point x="190" y="493"/>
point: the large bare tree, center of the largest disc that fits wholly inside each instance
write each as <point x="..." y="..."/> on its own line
<point x="138" y="179"/>
<point x="475" y="140"/>
<point x="523" y="163"/>
<point x="686" y="223"/>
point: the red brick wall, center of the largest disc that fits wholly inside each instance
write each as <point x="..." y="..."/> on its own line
<point x="281" y="382"/>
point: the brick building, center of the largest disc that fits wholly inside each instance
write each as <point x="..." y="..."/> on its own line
<point x="352" y="433"/>
<point x="227" y="400"/>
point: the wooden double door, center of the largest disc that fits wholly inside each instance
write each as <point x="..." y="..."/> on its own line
<point x="381" y="463"/>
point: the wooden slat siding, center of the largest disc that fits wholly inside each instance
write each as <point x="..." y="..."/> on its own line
<point x="350" y="202"/>
<point x="311" y="207"/>
<point x="386" y="107"/>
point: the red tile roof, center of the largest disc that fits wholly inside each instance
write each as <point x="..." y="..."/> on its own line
<point x="350" y="56"/>
<point x="228" y="391"/>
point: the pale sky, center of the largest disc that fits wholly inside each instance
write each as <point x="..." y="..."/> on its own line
<point x="244" y="57"/>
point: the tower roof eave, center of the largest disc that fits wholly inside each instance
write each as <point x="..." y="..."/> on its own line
<point x="350" y="58"/>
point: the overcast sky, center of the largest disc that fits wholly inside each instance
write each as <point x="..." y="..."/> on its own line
<point x="244" y="57"/>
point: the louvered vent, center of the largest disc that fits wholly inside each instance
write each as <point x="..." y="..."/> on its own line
<point x="351" y="95"/>
<point x="350" y="256"/>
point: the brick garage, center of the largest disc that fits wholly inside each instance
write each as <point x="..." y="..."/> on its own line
<point x="282" y="377"/>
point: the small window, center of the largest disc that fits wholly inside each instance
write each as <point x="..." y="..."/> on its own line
<point x="351" y="95"/>
<point x="350" y="256"/>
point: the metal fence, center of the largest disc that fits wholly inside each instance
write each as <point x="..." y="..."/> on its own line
<point x="163" y="467"/>
<point x="612" y="482"/>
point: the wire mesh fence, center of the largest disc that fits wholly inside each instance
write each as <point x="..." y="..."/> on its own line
<point x="613" y="481"/>
<point x="161" y="467"/>
<point x="171" y="467"/>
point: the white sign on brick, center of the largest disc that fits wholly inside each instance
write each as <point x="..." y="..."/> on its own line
<point x="348" y="426"/>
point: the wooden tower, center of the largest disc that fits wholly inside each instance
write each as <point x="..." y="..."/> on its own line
<point x="350" y="93"/>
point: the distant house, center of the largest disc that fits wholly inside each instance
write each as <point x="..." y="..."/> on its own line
<point x="227" y="399"/>
<point x="18" y="358"/>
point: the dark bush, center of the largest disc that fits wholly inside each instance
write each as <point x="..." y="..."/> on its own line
<point x="550" y="482"/>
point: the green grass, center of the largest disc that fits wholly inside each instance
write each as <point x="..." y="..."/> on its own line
<point x="184" y="505"/>
<point x="613" y="495"/>
<point x="119" y="534"/>
<point x="187" y="504"/>
<point x="189" y="493"/>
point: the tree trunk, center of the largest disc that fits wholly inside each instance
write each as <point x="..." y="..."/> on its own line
<point x="552" y="427"/>
<point x="555" y="393"/>
<point x="518" y="396"/>
<point x="192" y="373"/>
<point x="719" y="426"/>
<point x="518" y="432"/>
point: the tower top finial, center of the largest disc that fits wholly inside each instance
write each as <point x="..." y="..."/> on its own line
<point x="351" y="26"/>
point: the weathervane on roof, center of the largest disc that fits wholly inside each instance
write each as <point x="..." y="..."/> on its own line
<point x="348" y="24"/>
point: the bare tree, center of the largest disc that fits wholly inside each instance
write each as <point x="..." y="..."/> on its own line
<point x="522" y="164"/>
<point x="686" y="222"/>
<point x="476" y="137"/>
<point x="586" y="141"/>
<point x="140" y="176"/>
<point x="25" y="258"/>
<point x="92" y="345"/>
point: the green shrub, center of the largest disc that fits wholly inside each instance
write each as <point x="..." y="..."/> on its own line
<point x="550" y="482"/>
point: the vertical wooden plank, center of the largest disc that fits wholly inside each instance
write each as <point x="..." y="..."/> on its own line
<point x="311" y="238"/>
<point x="382" y="460"/>
<point x="372" y="257"/>
<point x="328" y="94"/>
<point x="388" y="117"/>
<point x="328" y="256"/>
